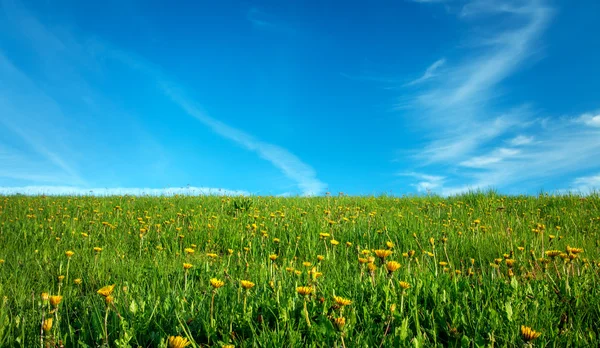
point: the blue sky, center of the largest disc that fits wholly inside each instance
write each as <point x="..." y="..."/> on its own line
<point x="299" y="97"/>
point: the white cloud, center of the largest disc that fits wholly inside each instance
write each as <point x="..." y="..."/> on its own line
<point x="79" y="191"/>
<point x="459" y="114"/>
<point x="587" y="184"/>
<point x="521" y="140"/>
<point x="590" y="119"/>
<point x="426" y="182"/>
<point x="429" y="73"/>
<point x="498" y="155"/>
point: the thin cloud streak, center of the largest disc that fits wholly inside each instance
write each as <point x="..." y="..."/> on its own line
<point x="288" y="163"/>
<point x="429" y="73"/>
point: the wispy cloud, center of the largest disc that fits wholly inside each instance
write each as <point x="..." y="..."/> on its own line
<point x="77" y="191"/>
<point x="521" y="140"/>
<point x="464" y="124"/>
<point x="426" y="182"/>
<point x="587" y="184"/>
<point x="590" y="119"/>
<point x="23" y="118"/>
<point x="288" y="163"/>
<point x="495" y="156"/>
<point x="429" y="73"/>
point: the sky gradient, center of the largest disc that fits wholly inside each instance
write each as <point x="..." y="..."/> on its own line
<point x="299" y="97"/>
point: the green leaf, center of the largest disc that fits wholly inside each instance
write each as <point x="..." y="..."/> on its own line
<point x="133" y="307"/>
<point x="404" y="329"/>
<point x="509" y="310"/>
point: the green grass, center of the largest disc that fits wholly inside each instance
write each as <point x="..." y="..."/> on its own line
<point x="469" y="299"/>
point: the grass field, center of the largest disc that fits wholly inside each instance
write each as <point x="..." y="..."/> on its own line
<point x="473" y="270"/>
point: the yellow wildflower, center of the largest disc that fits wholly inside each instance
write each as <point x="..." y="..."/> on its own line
<point x="106" y="291"/>
<point x="47" y="325"/>
<point x="246" y="284"/>
<point x="304" y="290"/>
<point x="216" y="283"/>
<point x="178" y="342"/>
<point x="529" y="334"/>
<point x="342" y="301"/>
<point x="340" y="323"/>
<point x="392" y="266"/>
<point x="55" y="300"/>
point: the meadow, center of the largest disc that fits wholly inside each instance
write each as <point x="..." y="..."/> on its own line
<point x="476" y="270"/>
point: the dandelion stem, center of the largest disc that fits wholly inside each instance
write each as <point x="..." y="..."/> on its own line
<point x="106" y="326"/>
<point x="212" y="306"/>
<point x="306" y="313"/>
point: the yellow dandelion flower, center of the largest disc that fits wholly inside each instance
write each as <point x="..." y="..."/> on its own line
<point x="55" y="300"/>
<point x="363" y="260"/>
<point x="306" y="264"/>
<point x="230" y="251"/>
<point x="320" y="257"/>
<point x="246" y="284"/>
<point x="212" y="255"/>
<point x="97" y="249"/>
<point x="443" y="263"/>
<point x="382" y="254"/>
<point x="389" y="244"/>
<point x="61" y="278"/>
<point x="109" y="299"/>
<point x="510" y="262"/>
<point x="334" y="242"/>
<point x="216" y="283"/>
<point x="366" y="252"/>
<point x="273" y="257"/>
<point x="178" y="342"/>
<point x="372" y="267"/>
<point x="106" y="291"/>
<point x="189" y="250"/>
<point x="574" y="250"/>
<point x="529" y="334"/>
<point x="553" y="253"/>
<point x="404" y="285"/>
<point x="47" y="325"/>
<point x="348" y="244"/>
<point x="342" y="301"/>
<point x="187" y="266"/>
<point x="45" y="296"/>
<point x="77" y="281"/>
<point x="392" y="266"/>
<point x="69" y="253"/>
<point x="340" y="323"/>
<point x="275" y="240"/>
<point x="304" y="290"/>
